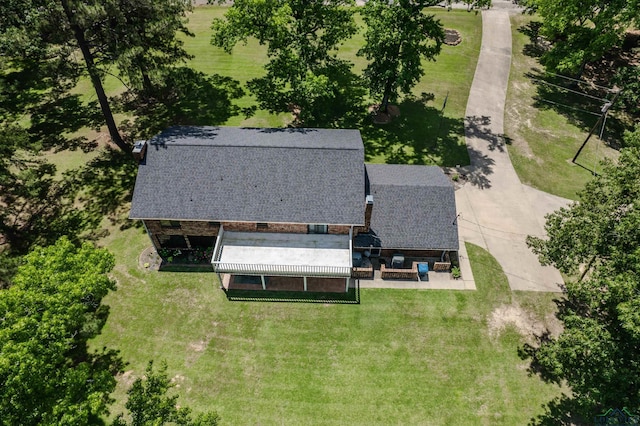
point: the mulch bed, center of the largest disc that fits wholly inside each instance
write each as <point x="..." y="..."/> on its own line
<point x="452" y="37"/>
<point x="149" y="259"/>
<point x="381" y="117"/>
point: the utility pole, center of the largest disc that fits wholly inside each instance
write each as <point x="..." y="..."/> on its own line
<point x="604" y="110"/>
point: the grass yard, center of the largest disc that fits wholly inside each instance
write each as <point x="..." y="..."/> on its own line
<point x="419" y="136"/>
<point x="401" y="356"/>
<point x="546" y="137"/>
<point x="422" y="135"/>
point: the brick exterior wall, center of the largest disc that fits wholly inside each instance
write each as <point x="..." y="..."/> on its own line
<point x="293" y="228"/>
<point x="411" y="253"/>
<point x="156" y="230"/>
<point x="339" y="229"/>
<point x="210" y="229"/>
<point x="399" y="274"/>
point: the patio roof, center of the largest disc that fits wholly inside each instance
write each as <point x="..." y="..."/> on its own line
<point x="280" y="254"/>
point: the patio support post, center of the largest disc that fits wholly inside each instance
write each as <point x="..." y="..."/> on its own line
<point x="347" y="280"/>
<point x="264" y="283"/>
<point x="305" y="282"/>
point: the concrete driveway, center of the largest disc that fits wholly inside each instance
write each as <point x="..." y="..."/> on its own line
<point x="497" y="211"/>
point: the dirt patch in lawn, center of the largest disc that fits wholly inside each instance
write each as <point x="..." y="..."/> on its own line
<point x="196" y="349"/>
<point x="524" y="322"/>
<point x="382" y="117"/>
<point x="199" y="346"/>
<point x="127" y="378"/>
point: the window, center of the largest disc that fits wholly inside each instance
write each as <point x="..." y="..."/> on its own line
<point x="172" y="241"/>
<point x="170" y="223"/>
<point x="204" y="242"/>
<point x="318" y="229"/>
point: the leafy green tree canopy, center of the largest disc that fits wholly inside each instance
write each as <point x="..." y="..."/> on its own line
<point x="582" y="31"/>
<point x="37" y="208"/>
<point x="303" y="74"/>
<point x="47" y="374"/>
<point x="597" y="239"/>
<point x="471" y="4"/>
<point x="141" y="36"/>
<point x="50" y="44"/>
<point x="398" y="37"/>
<point x="150" y="405"/>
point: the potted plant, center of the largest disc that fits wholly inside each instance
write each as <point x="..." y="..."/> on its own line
<point x="455" y="272"/>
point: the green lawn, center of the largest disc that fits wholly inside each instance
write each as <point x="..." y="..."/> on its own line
<point x="422" y="135"/>
<point x="546" y="137"/>
<point x="419" y="136"/>
<point x="402" y="357"/>
<point x="405" y="357"/>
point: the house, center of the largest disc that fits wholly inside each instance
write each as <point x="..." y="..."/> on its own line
<point x="273" y="205"/>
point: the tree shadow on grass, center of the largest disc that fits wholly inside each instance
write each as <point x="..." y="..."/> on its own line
<point x="53" y="113"/>
<point x="560" y="411"/>
<point x="537" y="46"/>
<point x="106" y="188"/>
<point x="563" y="409"/>
<point x="187" y="97"/>
<point x="421" y="135"/>
<point x="580" y="103"/>
<point x="559" y="94"/>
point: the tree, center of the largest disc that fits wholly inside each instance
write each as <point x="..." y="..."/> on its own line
<point x="37" y="207"/>
<point x="471" y="4"/>
<point x="398" y="36"/>
<point x="47" y="373"/>
<point x="582" y="31"/>
<point x="147" y="47"/>
<point x="598" y="241"/>
<point x="303" y="74"/>
<point x="183" y="97"/>
<point x="148" y="403"/>
<point x="77" y="24"/>
<point x="45" y="37"/>
<point x="628" y="78"/>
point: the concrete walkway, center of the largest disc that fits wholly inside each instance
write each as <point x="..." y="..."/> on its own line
<point x="497" y="210"/>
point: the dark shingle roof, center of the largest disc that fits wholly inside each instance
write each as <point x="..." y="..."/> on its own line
<point x="414" y="207"/>
<point x="254" y="175"/>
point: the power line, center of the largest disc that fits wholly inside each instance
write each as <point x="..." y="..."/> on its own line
<point x="570" y="90"/>
<point x="578" y="81"/>
<point x="499" y="231"/>
<point x="567" y="106"/>
<point x="603" y="117"/>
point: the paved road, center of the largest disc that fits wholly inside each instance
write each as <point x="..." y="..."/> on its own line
<point x="497" y="210"/>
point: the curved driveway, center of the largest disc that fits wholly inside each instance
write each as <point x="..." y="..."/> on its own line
<point x="497" y="210"/>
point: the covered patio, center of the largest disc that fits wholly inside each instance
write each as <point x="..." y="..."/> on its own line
<point x="274" y="283"/>
<point x="272" y="261"/>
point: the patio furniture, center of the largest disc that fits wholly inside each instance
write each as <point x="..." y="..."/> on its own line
<point x="423" y="270"/>
<point x="397" y="261"/>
